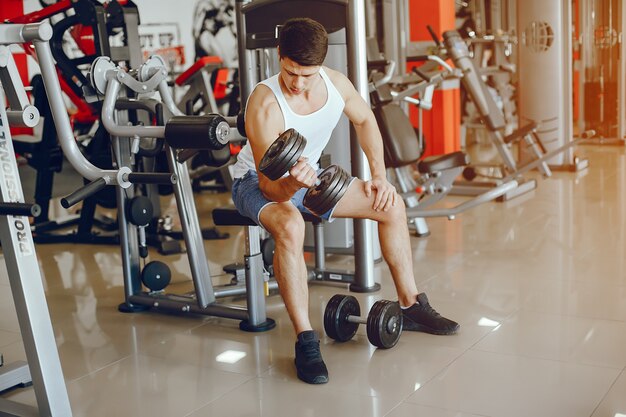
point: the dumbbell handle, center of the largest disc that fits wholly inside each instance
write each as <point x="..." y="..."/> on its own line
<point x="356" y="319"/>
<point x="361" y="320"/>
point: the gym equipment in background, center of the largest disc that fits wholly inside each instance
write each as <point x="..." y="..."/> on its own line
<point x="179" y="131"/>
<point x="403" y="144"/>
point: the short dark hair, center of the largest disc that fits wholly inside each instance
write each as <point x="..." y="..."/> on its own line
<point x="304" y="41"/>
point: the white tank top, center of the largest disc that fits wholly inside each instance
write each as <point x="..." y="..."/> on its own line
<point x="316" y="127"/>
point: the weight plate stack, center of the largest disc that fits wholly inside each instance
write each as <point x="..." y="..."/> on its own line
<point x="336" y="324"/>
<point x="334" y="182"/>
<point x="315" y="197"/>
<point x="384" y="324"/>
<point x="282" y="154"/>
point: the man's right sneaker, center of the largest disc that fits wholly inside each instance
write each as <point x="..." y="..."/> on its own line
<point x="421" y="317"/>
<point x="309" y="363"/>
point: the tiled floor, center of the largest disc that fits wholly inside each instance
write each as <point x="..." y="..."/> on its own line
<point x="538" y="285"/>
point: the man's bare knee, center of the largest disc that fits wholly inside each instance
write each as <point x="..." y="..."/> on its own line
<point x="395" y="213"/>
<point x="287" y="225"/>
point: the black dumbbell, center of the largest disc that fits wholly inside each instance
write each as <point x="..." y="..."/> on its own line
<point x="343" y="316"/>
<point x="284" y="152"/>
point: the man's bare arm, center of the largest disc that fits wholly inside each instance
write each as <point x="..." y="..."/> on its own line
<point x="370" y="139"/>
<point x="364" y="121"/>
<point x="264" y="123"/>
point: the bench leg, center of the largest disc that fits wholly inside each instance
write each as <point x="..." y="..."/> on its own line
<point x="255" y="285"/>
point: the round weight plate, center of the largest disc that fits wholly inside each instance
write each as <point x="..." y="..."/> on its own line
<point x="274" y="154"/>
<point x="322" y="199"/>
<point x="316" y="196"/>
<point x="336" y="324"/>
<point x="268" y="245"/>
<point x="156" y="275"/>
<point x="274" y="161"/>
<point x="292" y="156"/>
<point x="139" y="210"/>
<point x="340" y="190"/>
<point x="384" y="324"/>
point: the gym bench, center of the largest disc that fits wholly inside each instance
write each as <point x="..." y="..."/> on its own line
<point x="229" y="216"/>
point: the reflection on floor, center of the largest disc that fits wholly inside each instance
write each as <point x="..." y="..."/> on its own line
<point x="538" y="285"/>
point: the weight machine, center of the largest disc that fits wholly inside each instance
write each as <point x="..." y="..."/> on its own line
<point x="178" y="131"/>
<point x="404" y="147"/>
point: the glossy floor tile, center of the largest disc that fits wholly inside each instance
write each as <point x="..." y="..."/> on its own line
<point x="537" y="283"/>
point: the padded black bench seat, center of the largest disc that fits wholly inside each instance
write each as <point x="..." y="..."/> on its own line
<point x="441" y="162"/>
<point x="230" y="216"/>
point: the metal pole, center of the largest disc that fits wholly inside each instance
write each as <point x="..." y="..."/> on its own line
<point x="245" y="61"/>
<point x="357" y="72"/>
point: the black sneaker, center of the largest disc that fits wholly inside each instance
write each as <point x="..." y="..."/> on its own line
<point x="309" y="363"/>
<point x="421" y="317"/>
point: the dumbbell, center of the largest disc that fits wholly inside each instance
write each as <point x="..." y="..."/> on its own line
<point x="283" y="154"/>
<point x="343" y="316"/>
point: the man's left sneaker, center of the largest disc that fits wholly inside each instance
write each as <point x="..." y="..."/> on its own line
<point x="421" y="317"/>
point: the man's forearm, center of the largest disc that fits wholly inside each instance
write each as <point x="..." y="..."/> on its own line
<point x="372" y="144"/>
<point x="280" y="190"/>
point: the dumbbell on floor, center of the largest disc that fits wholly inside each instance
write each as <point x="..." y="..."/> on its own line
<point x="283" y="154"/>
<point x="343" y="316"/>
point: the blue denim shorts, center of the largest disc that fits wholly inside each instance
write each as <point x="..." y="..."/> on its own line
<point x="249" y="198"/>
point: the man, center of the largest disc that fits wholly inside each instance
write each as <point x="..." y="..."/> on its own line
<point x="311" y="98"/>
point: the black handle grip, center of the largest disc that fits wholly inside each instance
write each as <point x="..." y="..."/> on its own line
<point x="20" y="209"/>
<point x="186" y="154"/>
<point x="152" y="178"/>
<point x="434" y="36"/>
<point x="377" y="63"/>
<point x="422" y="74"/>
<point x="83" y="193"/>
<point x="417" y="58"/>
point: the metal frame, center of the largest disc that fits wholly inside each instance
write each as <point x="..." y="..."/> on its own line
<point x="20" y="256"/>
<point x="109" y="79"/>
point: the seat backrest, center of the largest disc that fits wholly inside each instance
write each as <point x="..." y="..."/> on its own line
<point x="400" y="140"/>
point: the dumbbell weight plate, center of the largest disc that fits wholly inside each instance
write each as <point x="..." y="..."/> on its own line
<point x="292" y="157"/>
<point x="319" y="200"/>
<point x="315" y="197"/>
<point x="156" y="275"/>
<point x="341" y="189"/>
<point x="336" y="324"/>
<point x="287" y="159"/>
<point x="384" y="324"/>
<point x="275" y="155"/>
<point x="281" y="155"/>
